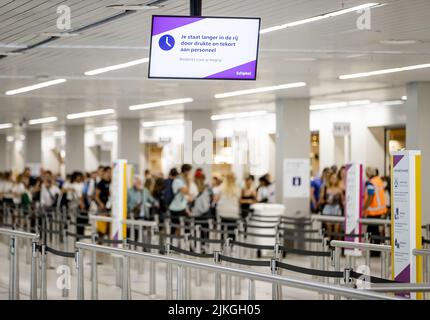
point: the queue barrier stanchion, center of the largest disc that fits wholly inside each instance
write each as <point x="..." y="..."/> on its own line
<point x="94" y="274"/>
<point x="13" y="269"/>
<point x="79" y="258"/>
<point x="169" y="275"/>
<point x="33" y="278"/>
<point x="180" y="283"/>
<point x="218" y="293"/>
<point x="43" y="280"/>
<point x="228" y="279"/>
<point x="198" y="246"/>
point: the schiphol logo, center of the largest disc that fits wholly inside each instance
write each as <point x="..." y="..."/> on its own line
<point x="166" y="42"/>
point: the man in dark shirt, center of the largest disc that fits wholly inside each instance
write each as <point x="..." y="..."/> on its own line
<point x="103" y="189"/>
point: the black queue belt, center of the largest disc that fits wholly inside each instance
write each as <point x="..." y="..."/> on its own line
<point x="427" y="241"/>
<point x="252" y="245"/>
<point x="305" y="252"/>
<point x="191" y="253"/>
<point x="312" y="272"/>
<point x="228" y="224"/>
<point x="172" y="236"/>
<point x="296" y="223"/>
<point x="217" y="231"/>
<point x="251" y="234"/>
<point x="56" y="252"/>
<point x="289" y="230"/>
<point x="380" y="238"/>
<point x="111" y="241"/>
<point x="263" y="221"/>
<point x="256" y="263"/>
<point x="206" y="240"/>
<point x="146" y="245"/>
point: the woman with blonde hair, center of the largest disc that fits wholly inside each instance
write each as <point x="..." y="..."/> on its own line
<point x="228" y="198"/>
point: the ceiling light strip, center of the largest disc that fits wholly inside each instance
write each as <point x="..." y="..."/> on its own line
<point x="88" y="114"/>
<point x="117" y="67"/>
<point x="160" y="104"/>
<point x="42" y="120"/>
<point x="35" y="87"/>
<point x="260" y="90"/>
<point x="383" y="71"/>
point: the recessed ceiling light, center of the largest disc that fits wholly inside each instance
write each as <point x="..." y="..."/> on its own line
<point x="392" y="102"/>
<point x="260" y="90"/>
<point x="398" y="42"/>
<point x="160" y="104"/>
<point x="58" y="134"/>
<point x="383" y="71"/>
<point x="336" y="105"/>
<point x="320" y="17"/>
<point x="89" y="114"/>
<point x="404" y="98"/>
<point x="10" y="139"/>
<point x="42" y="120"/>
<point x="35" y="86"/>
<point x="61" y="34"/>
<point x="116" y="67"/>
<point x="6" y="125"/>
<point x="132" y="7"/>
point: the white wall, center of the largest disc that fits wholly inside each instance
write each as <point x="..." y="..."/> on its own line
<point x="367" y="133"/>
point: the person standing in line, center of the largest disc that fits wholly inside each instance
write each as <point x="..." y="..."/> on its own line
<point x="181" y="196"/>
<point x="228" y="207"/>
<point x="102" y="199"/>
<point x="49" y="192"/>
<point x="315" y="193"/>
<point x="248" y="196"/>
<point x="332" y="200"/>
<point x="375" y="203"/>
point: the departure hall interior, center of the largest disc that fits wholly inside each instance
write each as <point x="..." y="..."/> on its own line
<point x="214" y="150"/>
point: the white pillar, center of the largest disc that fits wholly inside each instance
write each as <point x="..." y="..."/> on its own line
<point x="293" y="142"/>
<point x="75" y="146"/>
<point x="33" y="147"/>
<point x="3" y="153"/>
<point x="418" y="133"/>
<point x="198" y="119"/>
<point x="129" y="141"/>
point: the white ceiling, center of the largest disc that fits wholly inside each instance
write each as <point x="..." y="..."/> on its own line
<point x="316" y="53"/>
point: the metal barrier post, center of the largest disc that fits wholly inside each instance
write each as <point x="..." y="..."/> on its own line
<point x="33" y="281"/>
<point x="152" y="279"/>
<point x="227" y="249"/>
<point x="218" y="294"/>
<point x="274" y="271"/>
<point x="43" y="280"/>
<point x="337" y="253"/>
<point x="13" y="269"/>
<point x="210" y="234"/>
<point x="180" y="283"/>
<point x="94" y="276"/>
<point x="140" y="261"/>
<point x="181" y="232"/>
<point x="237" y="280"/>
<point x="251" y="289"/>
<point x="187" y="270"/>
<point x="169" y="276"/>
<point x="198" y="235"/>
<point x="125" y="288"/>
<point x="79" y="257"/>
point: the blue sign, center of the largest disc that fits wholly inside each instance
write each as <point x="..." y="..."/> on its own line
<point x="166" y="42"/>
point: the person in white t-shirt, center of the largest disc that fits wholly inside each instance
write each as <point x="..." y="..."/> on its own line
<point x="49" y="192"/>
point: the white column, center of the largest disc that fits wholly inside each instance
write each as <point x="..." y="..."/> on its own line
<point x="3" y="153"/>
<point x="197" y="120"/>
<point x="33" y="147"/>
<point x="418" y="133"/>
<point x="292" y="141"/>
<point x="75" y="146"/>
<point x="128" y="141"/>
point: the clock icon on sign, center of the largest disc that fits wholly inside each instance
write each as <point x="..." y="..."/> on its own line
<point x="166" y="42"/>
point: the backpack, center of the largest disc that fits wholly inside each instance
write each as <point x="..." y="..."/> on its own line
<point x="167" y="192"/>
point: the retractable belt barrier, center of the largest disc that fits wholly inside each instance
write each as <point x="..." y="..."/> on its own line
<point x="206" y="240"/>
<point x="191" y="253"/>
<point x="256" y="263"/>
<point x="305" y="252"/>
<point x="252" y="245"/>
<point x="56" y="252"/>
<point x="341" y="234"/>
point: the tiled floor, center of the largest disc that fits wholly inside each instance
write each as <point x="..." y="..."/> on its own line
<point x="140" y="280"/>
